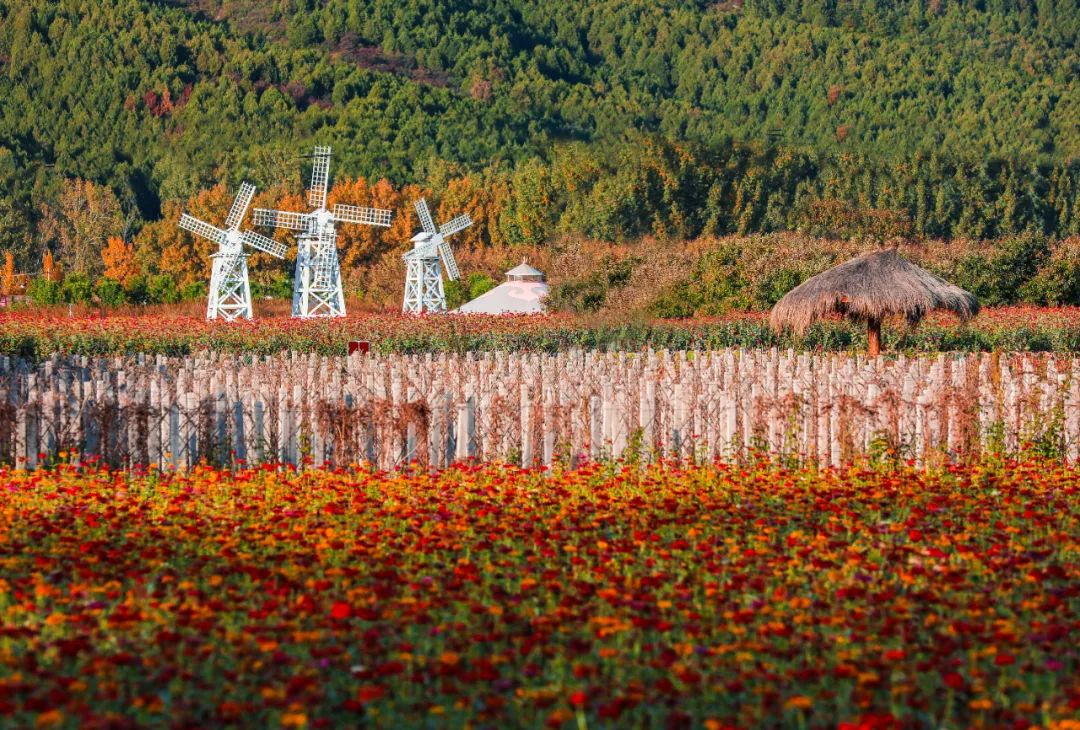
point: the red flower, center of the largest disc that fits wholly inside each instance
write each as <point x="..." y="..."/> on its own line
<point x="954" y="680"/>
<point x="370" y="693"/>
<point x="1004" y="660"/>
<point x="340" y="611"/>
<point x="578" y="699"/>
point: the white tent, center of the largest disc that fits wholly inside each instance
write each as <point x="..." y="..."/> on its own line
<point x="523" y="292"/>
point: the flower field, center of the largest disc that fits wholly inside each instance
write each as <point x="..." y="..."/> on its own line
<point x="613" y="595"/>
<point x="38" y="334"/>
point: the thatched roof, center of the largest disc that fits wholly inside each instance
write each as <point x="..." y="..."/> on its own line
<point x="871" y="287"/>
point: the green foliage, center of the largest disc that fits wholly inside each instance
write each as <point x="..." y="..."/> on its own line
<point x="194" y="291"/>
<point x="109" y="293"/>
<point x="43" y="292"/>
<point x="465" y="290"/>
<point x="455" y="293"/>
<point x="136" y="291"/>
<point x="997" y="275"/>
<point x="752" y="273"/>
<point x="77" y="289"/>
<point x="278" y="287"/>
<point x="650" y="185"/>
<point x="677" y="302"/>
<point x="613" y="120"/>
<point x="161" y="289"/>
<point x="16" y="208"/>
<point x="479" y="284"/>
<point x="745" y="274"/>
<point x="1058" y="282"/>
<point x="589" y="292"/>
<point x="303" y="31"/>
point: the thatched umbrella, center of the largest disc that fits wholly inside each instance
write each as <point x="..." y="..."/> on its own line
<point x="869" y="288"/>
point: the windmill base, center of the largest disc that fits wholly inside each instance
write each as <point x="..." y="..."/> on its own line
<point x="311" y="298"/>
<point x="423" y="286"/>
<point x="230" y="294"/>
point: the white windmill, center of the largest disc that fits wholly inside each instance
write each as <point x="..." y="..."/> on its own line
<point x="230" y="293"/>
<point x="423" y="281"/>
<point x="317" y="288"/>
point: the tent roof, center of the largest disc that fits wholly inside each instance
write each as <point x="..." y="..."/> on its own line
<point x="511" y="297"/>
<point x="523" y="270"/>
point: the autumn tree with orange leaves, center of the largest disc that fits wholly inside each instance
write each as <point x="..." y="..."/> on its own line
<point x="483" y="199"/>
<point x="50" y="270"/>
<point x="119" y="259"/>
<point x="7" y="281"/>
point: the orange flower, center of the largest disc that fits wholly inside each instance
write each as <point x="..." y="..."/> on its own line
<point x="799" y="702"/>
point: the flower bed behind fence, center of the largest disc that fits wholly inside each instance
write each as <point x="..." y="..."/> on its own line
<point x="36" y="335"/>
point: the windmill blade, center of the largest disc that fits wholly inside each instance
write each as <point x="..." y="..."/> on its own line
<point x="354" y="214"/>
<point x="449" y="263"/>
<point x="264" y="244"/>
<point x="425" y="215"/>
<point x="320" y="176"/>
<point x="458" y="224"/>
<point x="240" y="206"/>
<point x="282" y="219"/>
<point x="199" y="228"/>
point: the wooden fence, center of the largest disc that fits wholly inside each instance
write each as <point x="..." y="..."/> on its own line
<point x="533" y="408"/>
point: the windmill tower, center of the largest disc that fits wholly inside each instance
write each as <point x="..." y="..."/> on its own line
<point x="423" y="281"/>
<point x="230" y="293"/>
<point x="317" y="285"/>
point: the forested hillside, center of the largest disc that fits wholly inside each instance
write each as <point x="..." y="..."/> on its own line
<point x="609" y="120"/>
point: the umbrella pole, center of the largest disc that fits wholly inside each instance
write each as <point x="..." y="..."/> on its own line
<point x="873" y="336"/>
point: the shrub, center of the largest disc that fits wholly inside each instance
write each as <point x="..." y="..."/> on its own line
<point x="455" y="293"/>
<point x="750" y="273"/>
<point x="162" y="289"/>
<point x="996" y="273"/>
<point x="1058" y="281"/>
<point x="109" y="293"/>
<point x="678" y="302"/>
<point x="280" y="287"/>
<point x="136" y="290"/>
<point x="194" y="291"/>
<point x="589" y="292"/>
<point x="465" y="290"/>
<point x="44" y="292"/>
<point x="77" y="289"/>
<point x="479" y="284"/>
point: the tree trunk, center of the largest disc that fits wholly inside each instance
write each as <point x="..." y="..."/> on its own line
<point x="873" y="336"/>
